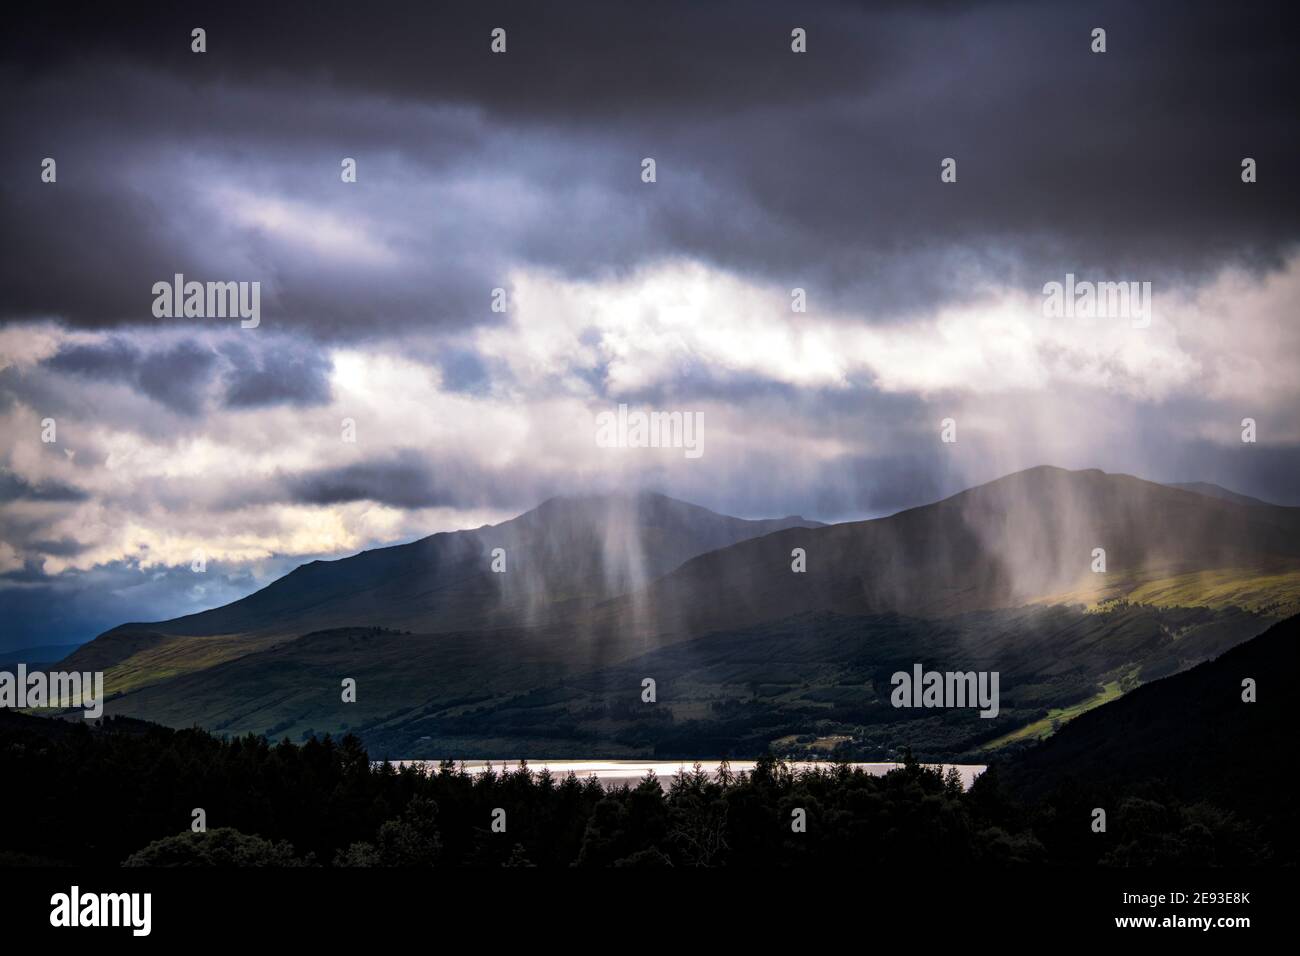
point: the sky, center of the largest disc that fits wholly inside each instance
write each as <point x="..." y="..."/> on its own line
<point x="523" y="171"/>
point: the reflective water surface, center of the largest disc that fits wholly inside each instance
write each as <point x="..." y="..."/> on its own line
<point x="613" y="773"/>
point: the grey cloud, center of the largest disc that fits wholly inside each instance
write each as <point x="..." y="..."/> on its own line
<point x="63" y="548"/>
<point x="286" y="374"/>
<point x="113" y="359"/>
<point x="175" y="377"/>
<point x="408" y="479"/>
<point x="278" y="370"/>
<point x="15" y="488"/>
<point x="579" y="58"/>
<point x="818" y="170"/>
<point x="463" y="370"/>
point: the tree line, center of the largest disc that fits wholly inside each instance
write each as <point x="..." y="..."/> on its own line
<point x="126" y="792"/>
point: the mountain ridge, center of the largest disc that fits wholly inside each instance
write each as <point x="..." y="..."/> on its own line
<point x="1020" y="540"/>
<point x="1218" y="491"/>
<point x="565" y="554"/>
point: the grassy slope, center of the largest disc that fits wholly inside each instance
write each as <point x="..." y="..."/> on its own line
<point x="1270" y="587"/>
<point x="829" y="676"/>
<point x="1045" y="726"/>
<point x="152" y="658"/>
<point x="539" y="693"/>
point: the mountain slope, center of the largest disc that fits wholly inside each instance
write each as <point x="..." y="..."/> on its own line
<point x="1026" y="538"/>
<point x="560" y="557"/>
<point x="1191" y="734"/>
<point x="539" y="692"/>
<point x="1217" y="491"/>
<point x="1017" y="544"/>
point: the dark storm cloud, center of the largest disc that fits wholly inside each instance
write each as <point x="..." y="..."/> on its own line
<point x="63" y="548"/>
<point x="285" y="375"/>
<point x="112" y="359"/>
<point x="30" y="573"/>
<point x="565" y="60"/>
<point x="408" y="479"/>
<point x="86" y="244"/>
<point x="14" y="488"/>
<point x="175" y="377"/>
<point x="820" y="170"/>
<point x="273" y="371"/>
<point x="404" y="483"/>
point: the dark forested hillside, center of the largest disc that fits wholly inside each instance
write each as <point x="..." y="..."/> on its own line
<point x="1190" y="737"/>
<point x="1187" y="772"/>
